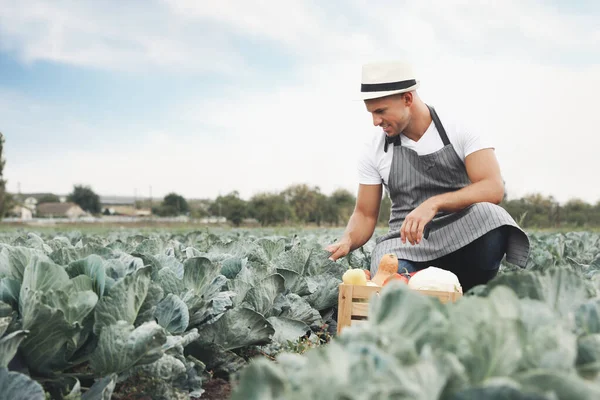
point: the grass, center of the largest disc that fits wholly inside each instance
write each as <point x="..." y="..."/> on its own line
<point x="146" y="227"/>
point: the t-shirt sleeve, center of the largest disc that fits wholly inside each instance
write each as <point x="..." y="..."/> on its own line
<point x="368" y="173"/>
<point x="473" y="140"/>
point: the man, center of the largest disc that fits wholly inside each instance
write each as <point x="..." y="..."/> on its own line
<point x="444" y="183"/>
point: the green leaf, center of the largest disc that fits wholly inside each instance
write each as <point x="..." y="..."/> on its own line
<point x="123" y="301"/>
<point x="564" y="386"/>
<point x="296" y="260"/>
<point x="4" y="323"/>
<point x="151" y="246"/>
<point x="199" y="274"/>
<point x="238" y="327"/>
<point x="9" y="291"/>
<point x="121" y="346"/>
<point x="297" y="284"/>
<point x="295" y="307"/>
<point x="102" y="389"/>
<point x="216" y="359"/>
<point x="266" y="252"/>
<point x="172" y="263"/>
<point x="79" y="284"/>
<point x="172" y="314"/>
<point x="9" y="345"/>
<point x="213" y="309"/>
<point x="6" y="310"/>
<point x="484" y="333"/>
<point x="262" y="380"/>
<point x="587" y="317"/>
<point x="146" y="312"/>
<point x="262" y="296"/>
<point x="14" y="260"/>
<point x="243" y="282"/>
<point x="498" y="389"/>
<point x="325" y="294"/>
<point x="561" y="288"/>
<point x="47" y="347"/>
<point x="287" y="329"/>
<point x="40" y="276"/>
<point x="232" y="266"/>
<point x="17" y="386"/>
<point x="319" y="264"/>
<point x="588" y="356"/>
<point x="93" y="266"/>
<point x="75" y="305"/>
<point x="170" y="282"/>
<point x="548" y="342"/>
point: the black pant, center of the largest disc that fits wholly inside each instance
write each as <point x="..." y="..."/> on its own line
<point x="474" y="264"/>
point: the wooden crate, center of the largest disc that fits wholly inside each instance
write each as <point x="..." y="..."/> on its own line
<point x="353" y="302"/>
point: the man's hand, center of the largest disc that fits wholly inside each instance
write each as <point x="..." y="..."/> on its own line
<point x="414" y="223"/>
<point x="339" y="249"/>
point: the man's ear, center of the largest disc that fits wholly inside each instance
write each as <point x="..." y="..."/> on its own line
<point x="407" y="98"/>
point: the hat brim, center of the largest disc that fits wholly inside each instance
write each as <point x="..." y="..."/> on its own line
<point x="376" y="95"/>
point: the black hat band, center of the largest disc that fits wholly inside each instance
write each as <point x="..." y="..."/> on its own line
<point x="386" y="87"/>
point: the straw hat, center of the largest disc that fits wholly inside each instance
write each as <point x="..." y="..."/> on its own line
<point x="386" y="78"/>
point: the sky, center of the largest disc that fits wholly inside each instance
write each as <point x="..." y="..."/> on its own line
<point x="205" y="98"/>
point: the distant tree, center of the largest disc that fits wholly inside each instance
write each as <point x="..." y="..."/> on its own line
<point x="85" y="197"/>
<point x="9" y="203"/>
<point x="269" y="208"/>
<point x="323" y="210"/>
<point x="342" y="204"/>
<point x="176" y="202"/>
<point x="199" y="207"/>
<point x="49" y="198"/>
<point x="3" y="203"/>
<point x="305" y="202"/>
<point x="578" y="212"/>
<point x="231" y="207"/>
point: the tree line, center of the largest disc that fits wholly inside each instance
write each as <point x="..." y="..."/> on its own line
<point x="298" y="204"/>
<point x="306" y="205"/>
<point x="302" y="204"/>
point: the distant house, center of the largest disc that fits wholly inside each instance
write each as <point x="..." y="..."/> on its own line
<point x="126" y="210"/>
<point x="60" y="210"/>
<point x="31" y="203"/>
<point x="122" y="205"/>
<point x="21" y="212"/>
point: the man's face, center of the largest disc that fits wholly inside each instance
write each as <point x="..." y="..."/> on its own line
<point x="391" y="113"/>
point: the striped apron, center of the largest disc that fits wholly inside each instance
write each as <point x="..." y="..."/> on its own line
<point x="413" y="179"/>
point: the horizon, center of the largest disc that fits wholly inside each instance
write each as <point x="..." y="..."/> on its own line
<point x="206" y="100"/>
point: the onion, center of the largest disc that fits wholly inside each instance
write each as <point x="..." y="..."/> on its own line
<point x="433" y="278"/>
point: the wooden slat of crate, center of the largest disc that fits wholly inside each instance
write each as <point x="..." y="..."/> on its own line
<point x="360" y="309"/>
<point x="353" y="305"/>
<point x="353" y="302"/>
<point x="364" y="292"/>
<point x="444" y="297"/>
<point x="344" y="306"/>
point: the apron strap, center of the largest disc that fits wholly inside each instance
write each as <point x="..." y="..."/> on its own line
<point x="438" y="125"/>
<point x="396" y="141"/>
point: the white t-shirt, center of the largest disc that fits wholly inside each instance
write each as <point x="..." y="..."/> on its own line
<point x="374" y="164"/>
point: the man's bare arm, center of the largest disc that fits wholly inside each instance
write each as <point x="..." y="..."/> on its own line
<point x="362" y="223"/>
<point x="487" y="185"/>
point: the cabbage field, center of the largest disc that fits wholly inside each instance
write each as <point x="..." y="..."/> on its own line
<point x="165" y="314"/>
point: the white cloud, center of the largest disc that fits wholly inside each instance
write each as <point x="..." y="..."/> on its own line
<point x="487" y="61"/>
<point x="122" y="37"/>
